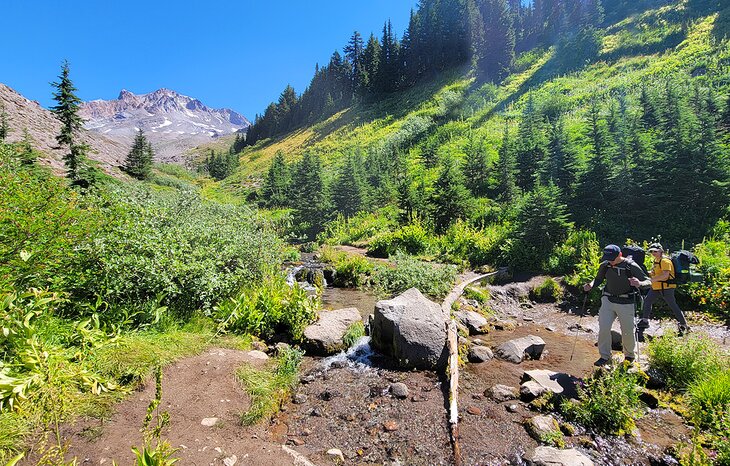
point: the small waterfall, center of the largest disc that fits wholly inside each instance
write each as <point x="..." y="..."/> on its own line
<point x="357" y="357"/>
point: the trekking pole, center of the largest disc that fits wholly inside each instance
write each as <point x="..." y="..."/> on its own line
<point x="580" y="319"/>
<point x="638" y="301"/>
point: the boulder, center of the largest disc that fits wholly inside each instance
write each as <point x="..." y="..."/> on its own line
<point x="475" y="322"/>
<point x="531" y="390"/>
<point x="399" y="390"/>
<point x="516" y="350"/>
<point x="541" y="426"/>
<point x="412" y="330"/>
<point x="556" y="382"/>
<point x="549" y="456"/>
<point x="502" y="393"/>
<point x="479" y="353"/>
<point x="325" y="336"/>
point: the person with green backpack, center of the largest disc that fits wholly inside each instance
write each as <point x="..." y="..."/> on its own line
<point x="663" y="284"/>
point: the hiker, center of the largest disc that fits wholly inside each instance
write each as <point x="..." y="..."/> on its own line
<point x="662" y="276"/>
<point x="623" y="277"/>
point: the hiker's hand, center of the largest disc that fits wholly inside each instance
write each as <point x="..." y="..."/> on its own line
<point x="588" y="287"/>
<point x="633" y="281"/>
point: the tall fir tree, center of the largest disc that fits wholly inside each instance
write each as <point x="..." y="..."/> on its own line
<point x="498" y="51"/>
<point x="561" y="166"/>
<point x="66" y="111"/>
<point x="476" y="168"/>
<point x="138" y="163"/>
<point x="309" y="195"/>
<point x="4" y="125"/>
<point x="506" y="168"/>
<point x="450" y="198"/>
<point x="347" y="191"/>
<point x="531" y="148"/>
<point x="276" y="186"/>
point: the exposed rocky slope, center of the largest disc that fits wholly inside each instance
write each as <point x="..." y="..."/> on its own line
<point x="174" y="123"/>
<point x="43" y="127"/>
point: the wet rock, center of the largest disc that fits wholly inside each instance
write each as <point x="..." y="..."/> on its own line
<point x="209" y="421"/>
<point x="479" y="354"/>
<point x="390" y="426"/>
<point x="473" y="410"/>
<point x="502" y="393"/>
<point x="399" y="390"/>
<point x="549" y="456"/>
<point x="299" y="399"/>
<point x="656" y="380"/>
<point x="556" y="382"/>
<point x="475" y="322"/>
<point x="540" y="426"/>
<point x="412" y="330"/>
<point x="338" y="364"/>
<point x="325" y="336"/>
<point x="531" y="390"/>
<point x="516" y="350"/>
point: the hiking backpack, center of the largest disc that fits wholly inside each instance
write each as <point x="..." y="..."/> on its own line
<point x="683" y="271"/>
<point x="637" y="254"/>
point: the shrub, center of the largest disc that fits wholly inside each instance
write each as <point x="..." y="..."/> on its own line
<point x="608" y="401"/>
<point x="435" y="281"/>
<point x="684" y="361"/>
<point x="714" y="294"/>
<point x="350" y="270"/>
<point x="353" y="333"/>
<point x="548" y="291"/>
<point x="578" y="256"/>
<point x="709" y="401"/>
<point x="480" y="295"/>
<point x="361" y="227"/>
<point x="268" y="308"/>
<point x="464" y="243"/>
<point x="411" y="239"/>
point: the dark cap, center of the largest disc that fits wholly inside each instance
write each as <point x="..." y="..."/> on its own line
<point x="655" y="247"/>
<point x="610" y="252"/>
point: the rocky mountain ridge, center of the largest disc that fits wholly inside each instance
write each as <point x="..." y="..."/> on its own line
<point x="173" y="123"/>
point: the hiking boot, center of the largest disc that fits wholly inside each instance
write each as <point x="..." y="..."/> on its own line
<point x="602" y="362"/>
<point x="643" y="323"/>
<point x="629" y="359"/>
<point x="683" y="330"/>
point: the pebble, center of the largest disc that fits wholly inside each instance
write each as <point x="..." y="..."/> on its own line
<point x="307" y="432"/>
<point x="473" y="410"/>
<point x="512" y="408"/>
<point x="338" y="364"/>
<point x="296" y="441"/>
<point x="230" y="461"/>
<point x="307" y="379"/>
<point x="209" y="421"/>
<point x="316" y="412"/>
<point x="399" y="390"/>
<point x="299" y="399"/>
<point x="336" y="453"/>
<point x="390" y="426"/>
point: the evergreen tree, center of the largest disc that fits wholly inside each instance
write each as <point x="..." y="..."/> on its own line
<point x="562" y="162"/>
<point x="370" y="59"/>
<point x="450" y="199"/>
<point x="276" y="186"/>
<point x="498" y="52"/>
<point x="541" y="223"/>
<point x="309" y="195"/>
<point x="354" y="55"/>
<point x="506" y="180"/>
<point x="67" y="112"/>
<point x="4" y="125"/>
<point x="649" y="114"/>
<point x="347" y="192"/>
<point x="531" y="148"/>
<point x="139" y="159"/>
<point x="476" y="168"/>
<point x="26" y="154"/>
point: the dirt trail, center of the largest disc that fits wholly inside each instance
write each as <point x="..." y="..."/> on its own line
<point x="195" y="388"/>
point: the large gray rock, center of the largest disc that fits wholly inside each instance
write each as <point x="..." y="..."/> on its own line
<point x="411" y="329"/>
<point x="502" y="393"/>
<point x="549" y="456"/>
<point x="475" y="322"/>
<point x="325" y="336"/>
<point x="516" y="350"/>
<point x="479" y="354"/>
<point x="541" y="426"/>
<point x="556" y="382"/>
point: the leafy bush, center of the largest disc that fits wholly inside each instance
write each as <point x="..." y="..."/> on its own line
<point x="269" y="389"/>
<point x="353" y="333"/>
<point x="361" y="227"/>
<point x="714" y="294"/>
<point x="192" y="252"/>
<point x="578" y="256"/>
<point x="608" y="401"/>
<point x="480" y="295"/>
<point x="432" y="280"/>
<point x="709" y="400"/>
<point x="684" y="361"/>
<point x="548" y="291"/>
<point x="350" y="270"/>
<point x="268" y="308"/>
<point x="462" y="242"/>
<point x="410" y="239"/>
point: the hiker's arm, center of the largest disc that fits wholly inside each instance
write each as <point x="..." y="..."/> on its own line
<point x="638" y="277"/>
<point x="600" y="276"/>
<point x="662" y="277"/>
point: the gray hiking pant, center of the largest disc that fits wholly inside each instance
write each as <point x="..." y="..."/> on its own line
<point x="606" y="316"/>
<point x="668" y="297"/>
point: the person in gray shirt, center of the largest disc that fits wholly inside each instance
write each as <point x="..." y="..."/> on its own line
<point x="623" y="277"/>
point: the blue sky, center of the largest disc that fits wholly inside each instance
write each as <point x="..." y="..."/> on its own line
<point x="235" y="54"/>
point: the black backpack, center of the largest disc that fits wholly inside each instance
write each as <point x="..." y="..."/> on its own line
<point x="683" y="272"/>
<point x="637" y="254"/>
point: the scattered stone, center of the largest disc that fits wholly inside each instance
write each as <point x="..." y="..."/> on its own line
<point x="531" y="390"/>
<point x="411" y="329"/>
<point x="528" y="319"/>
<point x="325" y="336"/>
<point x="230" y="461"/>
<point x="576" y="327"/>
<point x="502" y="393"/>
<point x="549" y="456"/>
<point x="209" y="421"/>
<point x="649" y="399"/>
<point x="338" y="364"/>
<point x="512" y="408"/>
<point x="305" y="379"/>
<point x="505" y="325"/>
<point x="540" y="426"/>
<point x="556" y="382"/>
<point x="616" y="341"/>
<point x="295" y="441"/>
<point x="475" y="322"/>
<point x="306" y="432"/>
<point x="550" y="328"/>
<point x="418" y="398"/>
<point x="260" y="355"/>
<point x="476" y="396"/>
<point x="478" y="342"/>
<point x="390" y="426"/>
<point x="316" y="411"/>
<point x="336" y="454"/>
<point x="257" y="345"/>
<point x="473" y="410"/>
<point x="399" y="390"/>
<point x="329" y="395"/>
<point x="516" y="350"/>
<point x="479" y="354"/>
<point x="281" y="346"/>
<point x="299" y="399"/>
